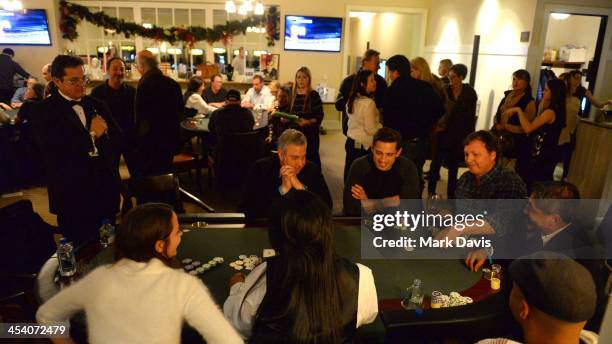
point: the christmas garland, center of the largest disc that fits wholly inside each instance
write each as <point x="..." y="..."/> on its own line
<point x="72" y="14"/>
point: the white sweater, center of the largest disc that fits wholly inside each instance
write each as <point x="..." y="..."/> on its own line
<point x="195" y="101"/>
<point x="131" y="302"/>
<point x="363" y="122"/>
<point x="241" y="308"/>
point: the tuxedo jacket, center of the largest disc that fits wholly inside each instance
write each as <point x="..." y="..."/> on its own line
<point x="78" y="184"/>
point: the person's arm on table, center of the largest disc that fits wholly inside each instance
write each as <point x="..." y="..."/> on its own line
<point x="200" y="105"/>
<point x="239" y="308"/>
<point x="203" y="314"/>
<point x="66" y="303"/>
<point x="367" y="299"/>
<point x="352" y="206"/>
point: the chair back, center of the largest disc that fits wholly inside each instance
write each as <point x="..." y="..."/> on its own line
<point x="163" y="188"/>
<point x="27" y="239"/>
<point x="236" y="152"/>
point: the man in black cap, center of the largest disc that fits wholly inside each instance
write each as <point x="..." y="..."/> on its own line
<point x="231" y="118"/>
<point x="552" y="298"/>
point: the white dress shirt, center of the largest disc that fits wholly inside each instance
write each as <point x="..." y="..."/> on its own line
<point x="195" y="101"/>
<point x="548" y="237"/>
<point x="239" y="64"/>
<point x="244" y="318"/>
<point x="77" y="108"/>
<point x="261" y="100"/>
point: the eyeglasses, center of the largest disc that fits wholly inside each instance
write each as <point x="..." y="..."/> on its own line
<point x="77" y="81"/>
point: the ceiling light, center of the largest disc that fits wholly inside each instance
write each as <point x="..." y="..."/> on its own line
<point x="560" y="16"/>
<point x="230" y="6"/>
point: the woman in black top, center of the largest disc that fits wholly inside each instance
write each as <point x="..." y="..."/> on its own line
<point x="544" y="131"/>
<point x="578" y="91"/>
<point x="460" y="122"/>
<point x="513" y="141"/>
<point x="306" y="103"/>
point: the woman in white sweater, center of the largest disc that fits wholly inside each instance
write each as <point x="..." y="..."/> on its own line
<point x="194" y="103"/>
<point x="363" y="118"/>
<point x="140" y="298"/>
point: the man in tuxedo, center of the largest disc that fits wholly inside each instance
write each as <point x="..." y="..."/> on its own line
<point x="80" y="142"/>
<point x="158" y="109"/>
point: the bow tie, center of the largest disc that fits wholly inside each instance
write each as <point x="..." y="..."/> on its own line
<point x="74" y="102"/>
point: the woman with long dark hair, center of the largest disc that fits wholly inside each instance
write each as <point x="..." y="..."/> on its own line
<point x="543" y="131"/>
<point x="193" y="101"/>
<point x="363" y="118"/>
<point x="306" y="293"/>
<point x="141" y="298"/>
<point x="512" y="138"/>
<point x="307" y="104"/>
<point x="577" y="90"/>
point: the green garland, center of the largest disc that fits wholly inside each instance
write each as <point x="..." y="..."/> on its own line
<point x="73" y="14"/>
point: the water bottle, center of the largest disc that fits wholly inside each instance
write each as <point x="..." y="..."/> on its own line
<point x="107" y="233"/>
<point x="65" y="256"/>
<point x="416" y="296"/>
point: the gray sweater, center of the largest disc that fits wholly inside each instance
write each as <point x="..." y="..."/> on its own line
<point x="362" y="167"/>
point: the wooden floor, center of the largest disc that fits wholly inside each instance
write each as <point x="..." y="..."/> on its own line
<point x="332" y="158"/>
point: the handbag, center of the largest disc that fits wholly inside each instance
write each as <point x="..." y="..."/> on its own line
<point x="536" y="146"/>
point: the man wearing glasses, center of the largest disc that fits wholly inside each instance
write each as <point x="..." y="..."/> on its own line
<point x="81" y="146"/>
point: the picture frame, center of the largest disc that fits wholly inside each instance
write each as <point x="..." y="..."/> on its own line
<point x="269" y="66"/>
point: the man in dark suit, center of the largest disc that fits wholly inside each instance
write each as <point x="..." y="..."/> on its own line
<point x="270" y="178"/>
<point x="551" y="214"/>
<point x="119" y="97"/>
<point x="411" y="107"/>
<point x="158" y="109"/>
<point x="231" y="118"/>
<point x="80" y="142"/>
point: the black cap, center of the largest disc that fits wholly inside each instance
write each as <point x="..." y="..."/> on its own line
<point x="233" y="95"/>
<point x="556" y="285"/>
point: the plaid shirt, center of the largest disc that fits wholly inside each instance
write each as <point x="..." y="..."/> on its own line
<point x="498" y="184"/>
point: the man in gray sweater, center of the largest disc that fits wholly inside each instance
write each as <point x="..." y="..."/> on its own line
<point x="382" y="175"/>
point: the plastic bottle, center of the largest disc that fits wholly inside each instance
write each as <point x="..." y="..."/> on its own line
<point x="65" y="256"/>
<point x="107" y="233"/>
<point x="416" y="296"/>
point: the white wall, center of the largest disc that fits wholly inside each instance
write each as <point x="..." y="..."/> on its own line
<point x="32" y="58"/>
<point x="389" y="33"/>
<point x="577" y="30"/>
<point x="450" y="32"/>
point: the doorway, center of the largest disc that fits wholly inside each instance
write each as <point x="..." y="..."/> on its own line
<point x="573" y="41"/>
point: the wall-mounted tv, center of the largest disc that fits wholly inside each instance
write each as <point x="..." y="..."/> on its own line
<point x="27" y="27"/>
<point x="313" y="33"/>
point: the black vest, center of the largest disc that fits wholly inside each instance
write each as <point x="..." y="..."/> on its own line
<point x="268" y="328"/>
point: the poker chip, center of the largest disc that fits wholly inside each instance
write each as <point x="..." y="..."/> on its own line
<point x="239" y="262"/>
<point x="206" y="266"/>
<point x="242" y="256"/>
<point x="196" y="263"/>
<point x="233" y="265"/>
<point x="200" y="270"/>
<point x="218" y="259"/>
<point x="188" y="267"/>
<point x="238" y="267"/>
<point x="193" y="272"/>
<point x="187" y="261"/>
<point x="212" y="263"/>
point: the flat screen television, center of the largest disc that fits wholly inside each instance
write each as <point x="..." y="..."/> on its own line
<point x="313" y="33"/>
<point x="27" y="27"/>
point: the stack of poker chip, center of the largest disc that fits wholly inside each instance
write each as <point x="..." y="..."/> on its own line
<point x="196" y="267"/>
<point x="439" y="300"/>
<point x="245" y="262"/>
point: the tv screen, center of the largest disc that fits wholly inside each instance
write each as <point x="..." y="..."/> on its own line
<point x="313" y="33"/>
<point x="27" y="27"/>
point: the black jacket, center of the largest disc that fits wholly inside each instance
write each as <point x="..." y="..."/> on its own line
<point x="158" y="109"/>
<point x="263" y="180"/>
<point x="78" y="183"/>
<point x="121" y="104"/>
<point x="231" y="118"/>
<point x="411" y="107"/>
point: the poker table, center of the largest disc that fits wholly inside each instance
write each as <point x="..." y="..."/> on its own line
<point x="486" y="316"/>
